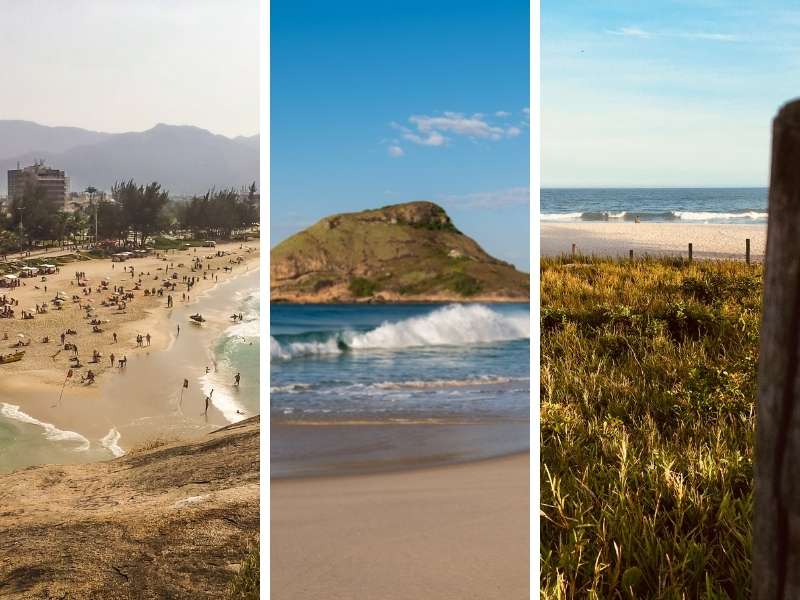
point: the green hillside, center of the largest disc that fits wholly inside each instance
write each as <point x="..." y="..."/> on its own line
<point x="402" y="252"/>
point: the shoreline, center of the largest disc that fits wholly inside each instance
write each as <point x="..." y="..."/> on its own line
<point x="386" y="532"/>
<point x="106" y="410"/>
<point x="709" y="241"/>
<point x="335" y="449"/>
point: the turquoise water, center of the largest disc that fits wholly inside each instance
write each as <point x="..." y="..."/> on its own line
<point x="237" y="351"/>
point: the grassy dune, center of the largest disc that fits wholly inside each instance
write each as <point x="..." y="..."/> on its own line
<point x="648" y="381"/>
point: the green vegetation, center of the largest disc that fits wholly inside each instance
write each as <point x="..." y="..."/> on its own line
<point x="361" y="287"/>
<point x="648" y="381"/>
<point x="245" y="584"/>
<point x="131" y="216"/>
<point x="409" y="249"/>
<point x="465" y="285"/>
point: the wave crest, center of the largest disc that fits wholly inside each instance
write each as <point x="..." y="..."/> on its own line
<point x="452" y="325"/>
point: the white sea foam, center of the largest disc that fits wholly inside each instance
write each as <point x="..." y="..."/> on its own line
<point x="51" y="432"/>
<point x="290" y="388"/>
<point x="452" y="325"/>
<point x="222" y="399"/>
<point x="447" y="383"/>
<point x="707" y="216"/>
<point x="573" y="216"/>
<point x="111" y="442"/>
<point x="295" y="349"/>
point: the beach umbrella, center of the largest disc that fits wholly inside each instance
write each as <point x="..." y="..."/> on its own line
<point x="21" y="335"/>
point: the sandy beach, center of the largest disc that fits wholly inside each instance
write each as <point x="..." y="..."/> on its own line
<point x="115" y="404"/>
<point x="708" y="241"/>
<point x="459" y="531"/>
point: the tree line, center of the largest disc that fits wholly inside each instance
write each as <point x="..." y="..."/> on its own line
<point x="132" y="215"/>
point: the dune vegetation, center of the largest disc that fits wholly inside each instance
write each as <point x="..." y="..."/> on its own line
<point x="648" y="383"/>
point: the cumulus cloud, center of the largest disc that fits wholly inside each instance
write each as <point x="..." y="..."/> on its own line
<point x="438" y="130"/>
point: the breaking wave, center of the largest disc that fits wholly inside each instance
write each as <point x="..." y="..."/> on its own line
<point x="51" y="432"/>
<point x="672" y="215"/>
<point x="452" y="325"/>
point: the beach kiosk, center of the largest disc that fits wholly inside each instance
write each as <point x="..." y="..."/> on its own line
<point x="48" y="268"/>
<point x="28" y="272"/>
<point x="10" y="281"/>
<point x="119" y="257"/>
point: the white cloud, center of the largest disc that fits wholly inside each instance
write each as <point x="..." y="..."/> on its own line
<point x="438" y="130"/>
<point x="494" y="199"/>
<point x="502" y="114"/>
<point x="630" y="32"/>
<point x="637" y="32"/>
<point x="395" y="151"/>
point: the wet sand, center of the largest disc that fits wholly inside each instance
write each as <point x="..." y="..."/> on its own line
<point x="459" y="531"/>
<point x="656" y="239"/>
<point x="333" y="448"/>
<point x="141" y="402"/>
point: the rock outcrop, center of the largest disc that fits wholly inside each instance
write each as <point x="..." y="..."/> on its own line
<point x="401" y="253"/>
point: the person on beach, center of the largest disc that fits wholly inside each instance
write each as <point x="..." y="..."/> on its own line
<point x="115" y="337"/>
<point x="208" y="399"/>
<point x="179" y="330"/>
<point x="147" y="337"/>
<point x="236" y="379"/>
<point x="112" y="359"/>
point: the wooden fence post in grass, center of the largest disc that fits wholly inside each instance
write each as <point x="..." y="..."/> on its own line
<point x="747" y="250"/>
<point x="776" y="515"/>
<point x="690" y="251"/>
<point x="573" y="250"/>
<point x="631" y="254"/>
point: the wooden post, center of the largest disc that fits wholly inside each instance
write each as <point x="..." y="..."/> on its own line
<point x="630" y="253"/>
<point x="573" y="250"/>
<point x="690" y="251"/>
<point x="747" y="250"/>
<point x="776" y="518"/>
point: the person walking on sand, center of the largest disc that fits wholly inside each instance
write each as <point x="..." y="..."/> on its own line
<point x="112" y="359"/>
<point x="208" y="399"/>
<point x="115" y="337"/>
<point x="179" y="330"/>
<point x="236" y="379"/>
<point x="147" y="337"/>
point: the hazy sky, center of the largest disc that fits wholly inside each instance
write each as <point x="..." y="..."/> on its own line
<point x="125" y="65"/>
<point x="667" y="93"/>
<point x="376" y="103"/>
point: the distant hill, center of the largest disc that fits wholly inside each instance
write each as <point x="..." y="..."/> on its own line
<point x="400" y="253"/>
<point x="184" y="159"/>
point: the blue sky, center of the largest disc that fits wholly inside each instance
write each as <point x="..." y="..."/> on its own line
<point x="664" y="93"/>
<point x="378" y="102"/>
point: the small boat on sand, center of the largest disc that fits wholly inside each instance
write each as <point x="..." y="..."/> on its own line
<point x="13" y="357"/>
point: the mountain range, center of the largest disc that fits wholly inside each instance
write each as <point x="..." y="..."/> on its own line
<point x="185" y="160"/>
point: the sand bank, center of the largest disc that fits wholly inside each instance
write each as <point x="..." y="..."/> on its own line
<point x="138" y="401"/>
<point x="452" y="532"/>
<point x="617" y="239"/>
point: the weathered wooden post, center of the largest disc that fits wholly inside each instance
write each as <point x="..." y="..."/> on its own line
<point x="747" y="250"/>
<point x="573" y="250"/>
<point x="631" y="254"/>
<point x="776" y="522"/>
<point x="690" y="251"/>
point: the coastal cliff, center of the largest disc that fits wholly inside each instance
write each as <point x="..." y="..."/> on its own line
<point x="402" y="253"/>
<point x="172" y="521"/>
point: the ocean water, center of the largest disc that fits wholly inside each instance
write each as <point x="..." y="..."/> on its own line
<point x="677" y="205"/>
<point x="236" y="350"/>
<point x="399" y="363"/>
<point x="26" y="441"/>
